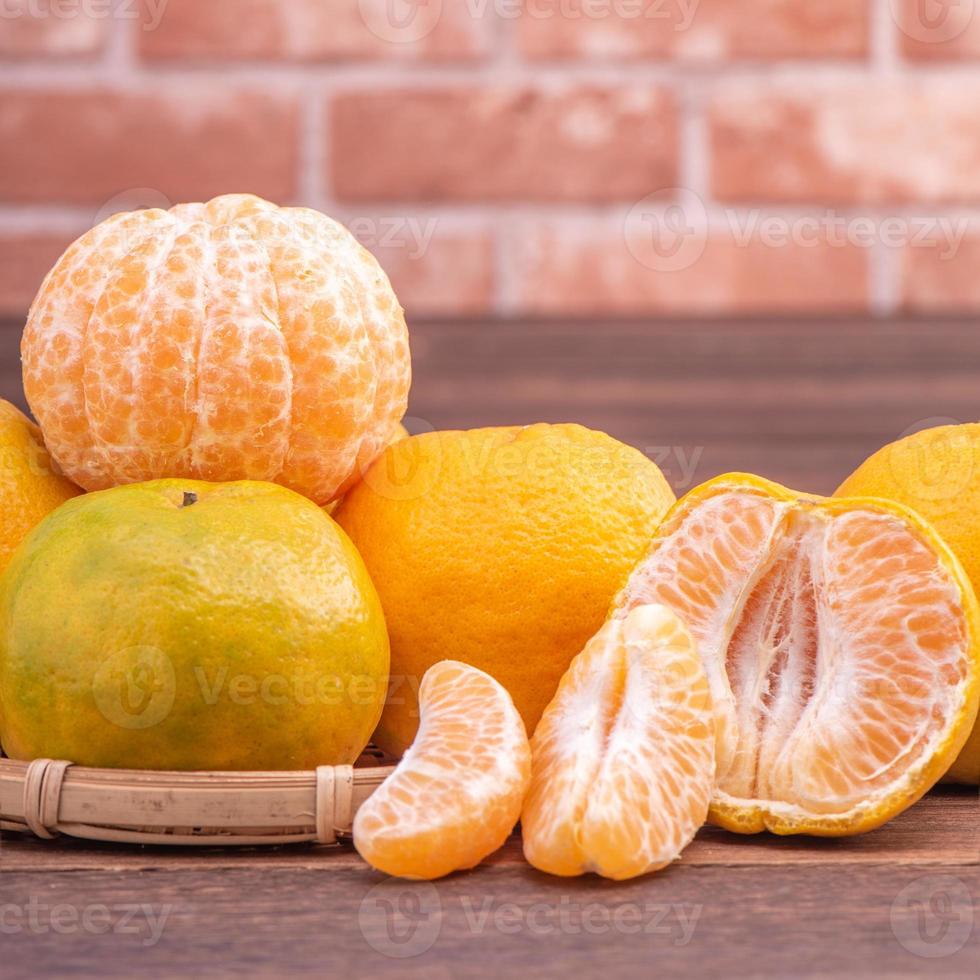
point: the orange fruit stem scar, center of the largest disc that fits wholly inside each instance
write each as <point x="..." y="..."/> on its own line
<point x="457" y="792"/>
<point x="623" y="757"/>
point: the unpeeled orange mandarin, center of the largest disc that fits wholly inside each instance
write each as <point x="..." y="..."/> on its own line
<point x="220" y="341"/>
<point x="501" y="548"/>
<point x="457" y="792"/>
<point x="30" y="484"/>
<point x="623" y="757"/>
<point x="841" y="640"/>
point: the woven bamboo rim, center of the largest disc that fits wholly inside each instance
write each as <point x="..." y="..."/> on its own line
<point x="51" y="797"/>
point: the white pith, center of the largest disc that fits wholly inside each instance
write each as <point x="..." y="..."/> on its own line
<point x="775" y="735"/>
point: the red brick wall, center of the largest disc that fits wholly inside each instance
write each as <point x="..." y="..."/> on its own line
<point x="574" y="157"/>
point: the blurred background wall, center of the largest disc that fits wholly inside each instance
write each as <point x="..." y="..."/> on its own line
<point x="547" y="158"/>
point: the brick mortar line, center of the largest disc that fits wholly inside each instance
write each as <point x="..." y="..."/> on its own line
<point x="120" y="56"/>
<point x="314" y="157"/>
<point x="884" y="280"/>
<point x="884" y="288"/>
<point x="341" y="75"/>
<point x="694" y="143"/>
<point x="464" y="216"/>
<point x="885" y="52"/>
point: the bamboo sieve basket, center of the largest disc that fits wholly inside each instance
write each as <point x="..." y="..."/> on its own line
<point x="213" y="809"/>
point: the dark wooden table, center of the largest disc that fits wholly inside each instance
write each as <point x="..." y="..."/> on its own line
<point x="902" y="901"/>
<point x="800" y="402"/>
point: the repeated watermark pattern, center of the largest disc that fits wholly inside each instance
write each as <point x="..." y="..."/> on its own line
<point x="411" y="21"/>
<point x="932" y="916"/>
<point x="149" y="13"/>
<point x="137" y="687"/>
<point x="38" y="917"/>
<point x="932" y="21"/>
<point x="411" y="234"/>
<point x="668" y="230"/>
<point x="401" y="920"/>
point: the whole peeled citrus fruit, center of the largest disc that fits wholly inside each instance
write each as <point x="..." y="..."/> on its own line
<point x="501" y="548"/>
<point x="936" y="472"/>
<point x="30" y="484"/>
<point x="185" y="625"/>
<point x="221" y="341"/>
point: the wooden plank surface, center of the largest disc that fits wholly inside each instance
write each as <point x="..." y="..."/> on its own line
<point x="902" y="901"/>
<point x="800" y="402"/>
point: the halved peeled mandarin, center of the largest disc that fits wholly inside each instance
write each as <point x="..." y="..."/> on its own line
<point x="457" y="792"/>
<point x="623" y="757"/>
<point x="840" y="639"/>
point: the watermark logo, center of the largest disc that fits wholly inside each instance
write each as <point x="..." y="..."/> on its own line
<point x="132" y="199"/>
<point x="932" y="916"/>
<point x="401" y="920"/>
<point x="667" y="231"/>
<point x="932" y="21"/>
<point x="135" y="687"/>
<point x="400" y="21"/>
<point x="938" y="465"/>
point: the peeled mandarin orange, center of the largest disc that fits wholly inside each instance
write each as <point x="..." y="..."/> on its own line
<point x="457" y="792"/>
<point x="30" y="484"/>
<point x="501" y="548"/>
<point x="936" y="472"/>
<point x="841" y="639"/>
<point x="623" y="757"/>
<point x="220" y="341"/>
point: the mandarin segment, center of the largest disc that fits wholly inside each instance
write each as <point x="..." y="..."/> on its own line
<point x="936" y="472"/>
<point x="842" y="642"/>
<point x="623" y="757"/>
<point x="223" y="341"/>
<point x="457" y="792"/>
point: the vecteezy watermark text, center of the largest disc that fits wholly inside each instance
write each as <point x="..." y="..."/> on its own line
<point x="668" y="230"/>
<point x="401" y="920"/>
<point x="37" y="917"/>
<point x="411" y="21"/>
<point x="148" y="12"/>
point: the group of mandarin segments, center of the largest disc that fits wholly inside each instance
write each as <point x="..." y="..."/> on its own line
<point x="749" y="655"/>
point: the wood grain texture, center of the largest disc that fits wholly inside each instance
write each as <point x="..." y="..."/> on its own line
<point x="883" y="904"/>
<point x="763" y="922"/>
<point x="801" y="402"/>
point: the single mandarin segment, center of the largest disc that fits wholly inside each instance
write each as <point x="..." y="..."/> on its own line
<point x="183" y="625"/>
<point x="936" y="472"/>
<point x="457" y="792"/>
<point x="31" y="485"/>
<point x="220" y="341"/>
<point x="624" y="756"/>
<point x="501" y="548"/>
<point x="841" y="639"/>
